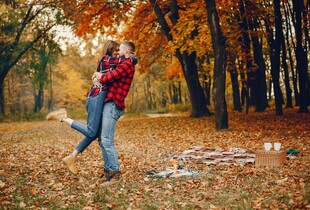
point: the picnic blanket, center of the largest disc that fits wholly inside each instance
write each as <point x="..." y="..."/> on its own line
<point x="208" y="156"/>
<point x="204" y="155"/>
<point x="217" y="156"/>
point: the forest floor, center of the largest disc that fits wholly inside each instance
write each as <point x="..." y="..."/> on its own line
<point x="33" y="177"/>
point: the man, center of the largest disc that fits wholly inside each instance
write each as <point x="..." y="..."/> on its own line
<point x="119" y="81"/>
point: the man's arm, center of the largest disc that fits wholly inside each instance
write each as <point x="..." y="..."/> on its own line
<point x="120" y="71"/>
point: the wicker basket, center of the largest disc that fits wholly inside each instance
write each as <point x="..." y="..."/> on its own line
<point x="269" y="158"/>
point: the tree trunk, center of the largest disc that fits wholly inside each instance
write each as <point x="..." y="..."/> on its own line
<point x="50" y="100"/>
<point x="244" y="91"/>
<point x="39" y="99"/>
<point x="2" y="104"/>
<point x="179" y="92"/>
<point x="163" y="100"/>
<point x="300" y="59"/>
<point x="288" y="34"/>
<point x="248" y="56"/>
<point x="275" y="69"/>
<point x="218" y="43"/>
<point x="205" y="76"/>
<point x="245" y="86"/>
<point x="288" y="89"/>
<point x="269" y="89"/>
<point x="147" y="94"/>
<point x="235" y="89"/>
<point x="259" y="74"/>
<point x="197" y="97"/>
<point x="207" y="87"/>
<point x="170" y="91"/>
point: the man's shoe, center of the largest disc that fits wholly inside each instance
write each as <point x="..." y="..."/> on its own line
<point x="69" y="161"/>
<point x="57" y="115"/>
<point x="105" y="174"/>
<point x="114" y="176"/>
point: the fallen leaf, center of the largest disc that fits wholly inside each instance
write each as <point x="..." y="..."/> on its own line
<point x="22" y="205"/>
<point x="2" y="184"/>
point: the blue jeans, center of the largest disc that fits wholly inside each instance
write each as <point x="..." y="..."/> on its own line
<point x="110" y="114"/>
<point x="94" y="107"/>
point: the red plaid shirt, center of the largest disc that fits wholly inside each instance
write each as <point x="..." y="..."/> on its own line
<point x="119" y="82"/>
<point x="107" y="64"/>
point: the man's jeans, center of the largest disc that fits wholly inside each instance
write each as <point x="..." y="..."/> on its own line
<point x="110" y="114"/>
<point x="94" y="106"/>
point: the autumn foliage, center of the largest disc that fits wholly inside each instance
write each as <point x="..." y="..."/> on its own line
<point x="264" y="61"/>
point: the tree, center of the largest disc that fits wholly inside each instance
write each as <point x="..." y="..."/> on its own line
<point x="288" y="90"/>
<point x="290" y="46"/>
<point x="259" y="76"/>
<point x="232" y="69"/>
<point x="275" y="68"/>
<point x="218" y="42"/>
<point x="186" y="58"/>
<point x="42" y="54"/>
<point x="274" y="53"/>
<point x="301" y="58"/>
<point x="21" y="28"/>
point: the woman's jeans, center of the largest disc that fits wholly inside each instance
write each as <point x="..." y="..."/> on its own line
<point x="94" y="107"/>
<point x="110" y="114"/>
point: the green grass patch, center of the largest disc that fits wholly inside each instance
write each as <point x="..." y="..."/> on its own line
<point x="27" y="116"/>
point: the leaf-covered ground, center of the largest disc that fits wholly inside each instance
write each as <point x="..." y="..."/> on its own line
<point x="33" y="177"/>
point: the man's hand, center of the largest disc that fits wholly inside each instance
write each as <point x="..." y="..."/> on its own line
<point x="97" y="75"/>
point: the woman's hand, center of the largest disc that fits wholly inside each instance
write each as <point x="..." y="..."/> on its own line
<point x="97" y="75"/>
<point x="96" y="82"/>
<point x="95" y="79"/>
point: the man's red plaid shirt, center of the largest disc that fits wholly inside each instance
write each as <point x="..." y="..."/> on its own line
<point x="119" y="82"/>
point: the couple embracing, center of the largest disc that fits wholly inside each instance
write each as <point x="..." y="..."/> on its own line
<point x="105" y="105"/>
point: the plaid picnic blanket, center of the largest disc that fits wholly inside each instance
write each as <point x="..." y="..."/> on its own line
<point x="217" y="156"/>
